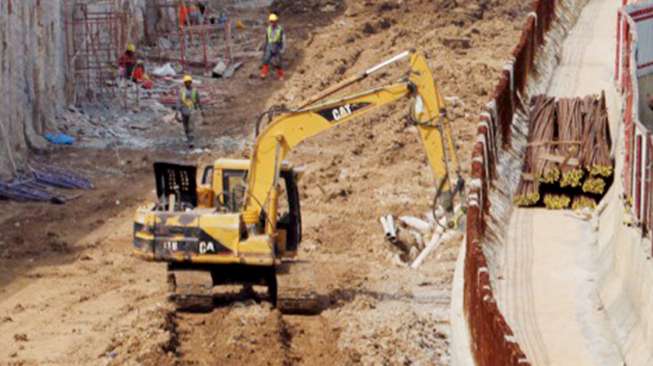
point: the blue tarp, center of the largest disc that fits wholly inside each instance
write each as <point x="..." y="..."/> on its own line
<point x="59" y="138"/>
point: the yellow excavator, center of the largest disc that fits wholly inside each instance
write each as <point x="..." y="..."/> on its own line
<point x="242" y="223"/>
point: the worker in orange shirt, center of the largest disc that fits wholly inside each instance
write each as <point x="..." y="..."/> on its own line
<point x="183" y="14"/>
<point x="139" y="76"/>
<point x="273" y="48"/>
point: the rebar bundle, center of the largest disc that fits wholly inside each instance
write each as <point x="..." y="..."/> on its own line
<point x="567" y="161"/>
<point x="597" y="152"/>
<point x="42" y="184"/>
<point x="543" y="122"/>
<point x="528" y="190"/>
<point x="556" y="201"/>
<point x="570" y="134"/>
<point x="580" y="202"/>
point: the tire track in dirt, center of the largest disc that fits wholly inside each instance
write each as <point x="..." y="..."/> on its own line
<point x="250" y="332"/>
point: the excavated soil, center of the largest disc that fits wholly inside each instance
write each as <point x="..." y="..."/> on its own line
<point x="72" y="293"/>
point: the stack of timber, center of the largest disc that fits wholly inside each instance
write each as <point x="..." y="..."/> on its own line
<point x="567" y="161"/>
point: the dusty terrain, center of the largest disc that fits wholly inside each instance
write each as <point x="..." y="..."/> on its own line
<point x="72" y="294"/>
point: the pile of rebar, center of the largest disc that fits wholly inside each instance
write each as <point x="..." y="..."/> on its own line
<point x="43" y="183"/>
<point x="567" y="161"/>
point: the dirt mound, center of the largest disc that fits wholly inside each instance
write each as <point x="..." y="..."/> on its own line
<point x="306" y="6"/>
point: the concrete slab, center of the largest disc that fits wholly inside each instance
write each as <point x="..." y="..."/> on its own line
<point x="549" y="290"/>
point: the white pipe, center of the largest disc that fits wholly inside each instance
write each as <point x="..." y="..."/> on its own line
<point x="391" y="226"/>
<point x="387" y="229"/>
<point x="434" y="244"/>
<point x="383" y="64"/>
<point x="384" y="224"/>
<point x="415" y="223"/>
<point x="438" y="237"/>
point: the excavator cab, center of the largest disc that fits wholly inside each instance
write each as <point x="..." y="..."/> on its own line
<point x="224" y="185"/>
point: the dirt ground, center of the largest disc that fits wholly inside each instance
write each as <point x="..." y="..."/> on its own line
<point x="71" y="293"/>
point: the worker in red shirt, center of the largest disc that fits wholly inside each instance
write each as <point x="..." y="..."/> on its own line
<point x="127" y="62"/>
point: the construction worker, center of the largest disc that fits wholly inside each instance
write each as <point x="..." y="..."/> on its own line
<point x="139" y="72"/>
<point x="139" y="76"/>
<point x="127" y="61"/>
<point x="201" y="4"/>
<point x="194" y="14"/>
<point x="188" y="105"/>
<point x="183" y="14"/>
<point x="273" y="48"/>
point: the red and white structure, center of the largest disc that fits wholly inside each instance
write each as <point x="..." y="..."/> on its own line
<point x="634" y="75"/>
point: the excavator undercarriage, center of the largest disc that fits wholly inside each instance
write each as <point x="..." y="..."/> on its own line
<point x="290" y="286"/>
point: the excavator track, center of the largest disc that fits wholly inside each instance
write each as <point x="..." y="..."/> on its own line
<point x="295" y="289"/>
<point x="191" y="290"/>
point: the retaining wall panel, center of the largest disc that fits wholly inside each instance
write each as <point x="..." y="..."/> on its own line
<point x="492" y="338"/>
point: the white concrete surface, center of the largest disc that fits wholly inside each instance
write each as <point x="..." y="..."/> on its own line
<point x="548" y="291"/>
<point x="461" y="347"/>
<point x="625" y="273"/>
<point x="626" y="283"/>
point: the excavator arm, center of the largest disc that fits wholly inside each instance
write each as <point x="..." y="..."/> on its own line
<point x="319" y="114"/>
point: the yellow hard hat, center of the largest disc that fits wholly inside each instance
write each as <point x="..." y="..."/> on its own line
<point x="188" y="78"/>
<point x="131" y="47"/>
<point x="273" y="17"/>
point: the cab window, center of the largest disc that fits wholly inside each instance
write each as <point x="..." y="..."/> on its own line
<point x="234" y="184"/>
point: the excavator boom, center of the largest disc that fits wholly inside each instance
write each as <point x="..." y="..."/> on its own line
<point x="320" y="114"/>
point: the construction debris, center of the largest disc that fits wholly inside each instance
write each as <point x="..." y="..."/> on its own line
<point x="42" y="184"/>
<point x="165" y="70"/>
<point x="567" y="161"/>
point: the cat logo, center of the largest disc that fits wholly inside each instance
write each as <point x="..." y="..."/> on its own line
<point x="207" y="247"/>
<point x="342" y="112"/>
<point x="338" y="113"/>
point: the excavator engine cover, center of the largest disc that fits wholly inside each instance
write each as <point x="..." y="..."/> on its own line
<point x="178" y="180"/>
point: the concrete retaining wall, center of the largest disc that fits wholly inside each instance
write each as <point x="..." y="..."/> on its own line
<point x="623" y="251"/>
<point x="626" y="281"/>
<point x="496" y="163"/>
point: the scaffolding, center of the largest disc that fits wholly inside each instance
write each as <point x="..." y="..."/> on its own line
<point x="95" y="36"/>
<point x="189" y="35"/>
